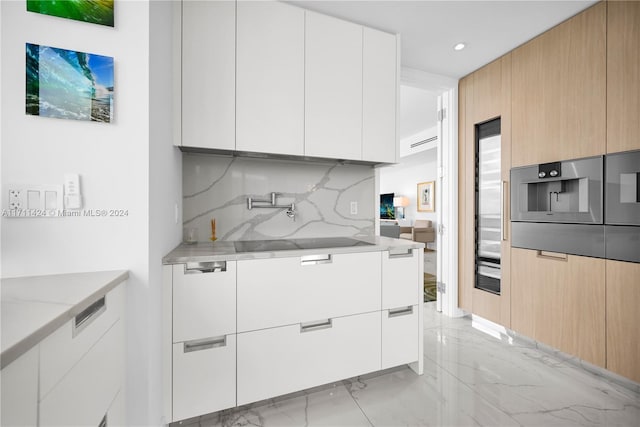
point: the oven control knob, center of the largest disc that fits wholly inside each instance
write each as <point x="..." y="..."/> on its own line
<point x="553" y="172"/>
<point x="542" y="174"/>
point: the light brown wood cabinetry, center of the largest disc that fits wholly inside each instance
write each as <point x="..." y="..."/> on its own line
<point x="483" y="96"/>
<point x="623" y="76"/>
<point x="559" y="91"/>
<point x="623" y="318"/>
<point x="559" y="300"/>
<point x="465" y="201"/>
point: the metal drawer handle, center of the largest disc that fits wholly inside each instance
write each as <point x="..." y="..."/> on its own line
<point x="88" y="315"/>
<point x="404" y="311"/>
<point x="316" y="326"/>
<point x="207" y="343"/>
<point x="205" y="267"/>
<point x="552" y="255"/>
<point x="400" y="253"/>
<point x="316" y="259"/>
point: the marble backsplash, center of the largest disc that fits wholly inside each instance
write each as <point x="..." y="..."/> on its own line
<point x="218" y="187"/>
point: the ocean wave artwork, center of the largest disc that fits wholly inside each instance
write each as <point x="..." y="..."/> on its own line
<point x="93" y="11"/>
<point x="67" y="84"/>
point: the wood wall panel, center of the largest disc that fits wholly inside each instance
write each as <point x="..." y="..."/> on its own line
<point x="560" y="302"/>
<point x="623" y="319"/>
<point x="559" y="91"/>
<point x="623" y="76"/>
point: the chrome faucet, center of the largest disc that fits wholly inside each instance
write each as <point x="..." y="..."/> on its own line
<point x="271" y="203"/>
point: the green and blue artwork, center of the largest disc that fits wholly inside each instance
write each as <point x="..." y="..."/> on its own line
<point x="93" y="11"/>
<point x="66" y="84"/>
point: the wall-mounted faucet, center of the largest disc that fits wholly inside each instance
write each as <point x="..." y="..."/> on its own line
<point x="271" y="203"/>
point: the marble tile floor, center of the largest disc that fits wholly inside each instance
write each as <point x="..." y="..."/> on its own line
<point x="471" y="379"/>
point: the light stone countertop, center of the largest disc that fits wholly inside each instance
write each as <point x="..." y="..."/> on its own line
<point x="34" y="307"/>
<point x="225" y="251"/>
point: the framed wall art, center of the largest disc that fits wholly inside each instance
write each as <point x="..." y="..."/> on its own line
<point x="92" y="11"/>
<point x="427" y="196"/>
<point x="67" y="84"/>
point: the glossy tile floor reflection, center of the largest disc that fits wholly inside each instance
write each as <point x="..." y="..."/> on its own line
<point x="470" y="379"/>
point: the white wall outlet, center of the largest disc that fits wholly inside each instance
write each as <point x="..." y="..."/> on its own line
<point x="354" y="208"/>
<point x="16" y="199"/>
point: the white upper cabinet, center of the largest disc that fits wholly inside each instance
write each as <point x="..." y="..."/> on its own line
<point x="333" y="88"/>
<point x="208" y="74"/>
<point x="270" y="78"/>
<point x="379" y="96"/>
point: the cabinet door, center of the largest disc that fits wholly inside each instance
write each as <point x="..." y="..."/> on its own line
<point x="204" y="304"/>
<point x="401" y="283"/>
<point x="559" y="91"/>
<point x="204" y="377"/>
<point x="270" y="78"/>
<point x="623" y="76"/>
<point x="623" y="318"/>
<point x="276" y="361"/>
<point x="208" y="74"/>
<point x="333" y="88"/>
<point x="285" y="291"/>
<point x="559" y="300"/>
<point x="19" y="382"/>
<point x="379" y="95"/>
<point x="400" y="336"/>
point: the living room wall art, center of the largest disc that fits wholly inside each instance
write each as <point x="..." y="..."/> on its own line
<point x="67" y="84"/>
<point x="92" y="11"/>
<point x="427" y="196"/>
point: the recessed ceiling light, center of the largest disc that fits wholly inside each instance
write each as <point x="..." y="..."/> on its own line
<point x="459" y="46"/>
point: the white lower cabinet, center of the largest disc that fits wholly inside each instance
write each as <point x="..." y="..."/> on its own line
<point x="204" y="376"/>
<point x="283" y="291"/>
<point x="84" y="395"/>
<point x="400" y="336"/>
<point x="19" y="382"/>
<point x="401" y="282"/>
<point x="276" y="361"/>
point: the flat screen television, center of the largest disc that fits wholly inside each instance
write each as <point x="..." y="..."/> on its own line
<point x="387" y="211"/>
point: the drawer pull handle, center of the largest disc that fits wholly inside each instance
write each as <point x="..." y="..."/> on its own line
<point x="400" y="253"/>
<point x="205" y="344"/>
<point x="404" y="311"/>
<point x="316" y="326"/>
<point x="552" y="255"/>
<point x="316" y="259"/>
<point x="88" y="315"/>
<point x="205" y="267"/>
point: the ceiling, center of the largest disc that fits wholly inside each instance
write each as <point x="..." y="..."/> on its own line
<point x="430" y="29"/>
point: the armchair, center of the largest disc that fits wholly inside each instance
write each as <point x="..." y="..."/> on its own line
<point x="422" y="231"/>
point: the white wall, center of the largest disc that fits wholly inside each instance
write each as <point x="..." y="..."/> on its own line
<point x="165" y="185"/>
<point x="402" y="179"/>
<point x="113" y="161"/>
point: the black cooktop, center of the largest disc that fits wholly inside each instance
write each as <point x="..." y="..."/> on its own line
<point x="294" y="244"/>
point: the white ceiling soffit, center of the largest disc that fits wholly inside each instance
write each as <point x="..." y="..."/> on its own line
<point x="430" y="29"/>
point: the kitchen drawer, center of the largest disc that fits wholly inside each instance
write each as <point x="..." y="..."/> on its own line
<point x="204" y="376"/>
<point x="277" y="361"/>
<point x="285" y="291"/>
<point x="400" y="336"/>
<point x="61" y="350"/>
<point x="204" y="300"/>
<point x="401" y="284"/>
<point x="84" y="395"/>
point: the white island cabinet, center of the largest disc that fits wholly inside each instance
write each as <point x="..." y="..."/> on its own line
<point x="243" y="327"/>
<point x="63" y="346"/>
